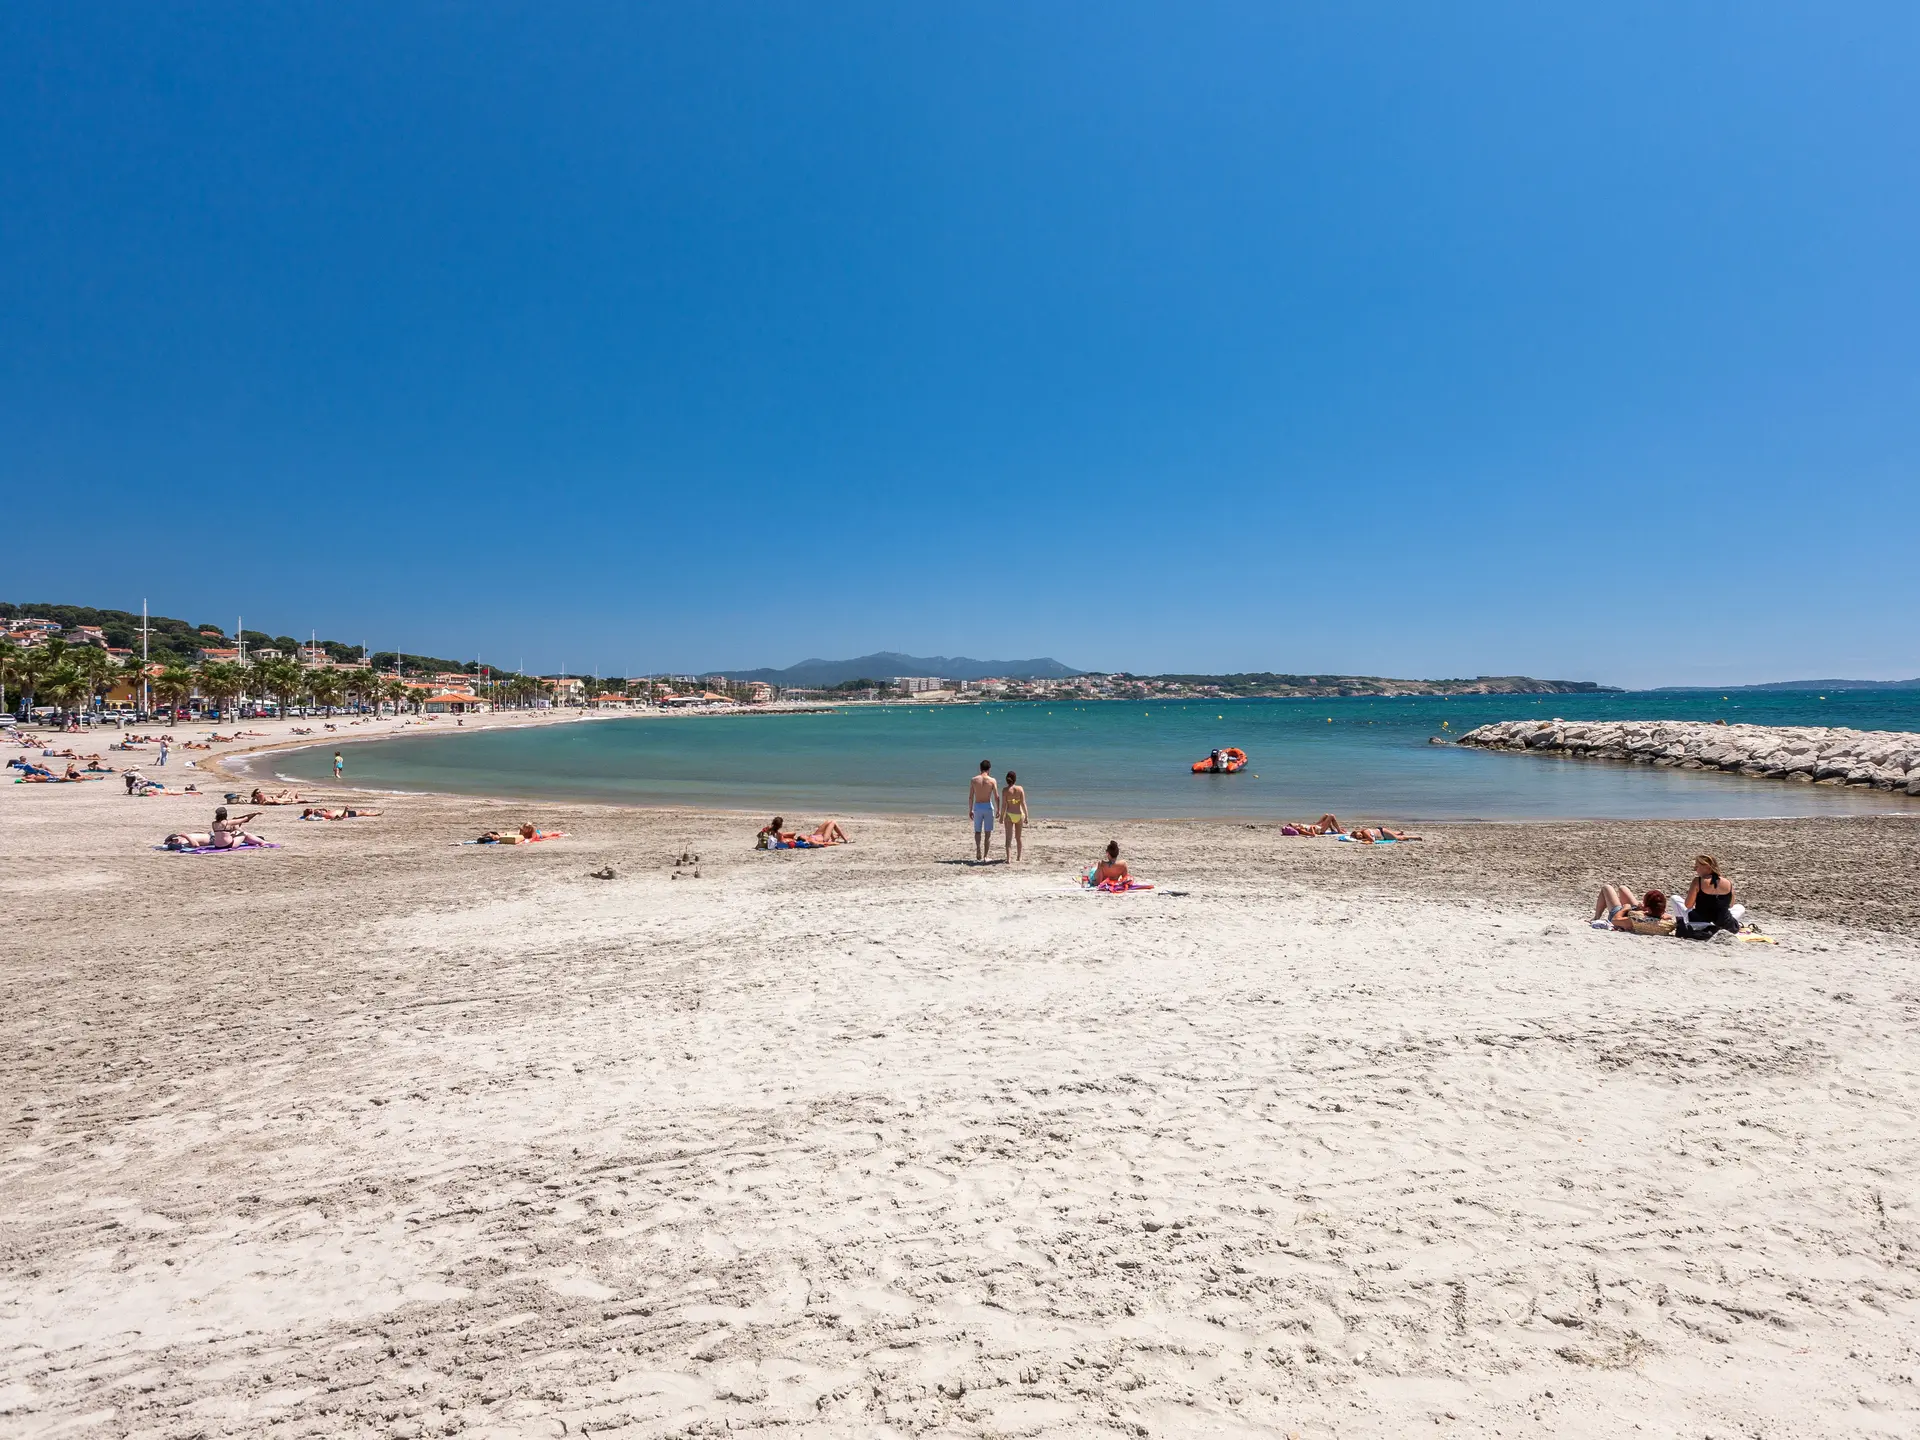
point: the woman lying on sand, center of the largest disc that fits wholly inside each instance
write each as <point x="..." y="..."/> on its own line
<point x="225" y="835"/>
<point x="1375" y="834"/>
<point x="321" y="812"/>
<point x="1645" y="916"/>
<point x="772" y="837"/>
<point x="1325" y="825"/>
<point x="525" y="835"/>
<point x="276" y="797"/>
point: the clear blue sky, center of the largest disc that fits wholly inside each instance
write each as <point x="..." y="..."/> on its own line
<point x="1396" y="338"/>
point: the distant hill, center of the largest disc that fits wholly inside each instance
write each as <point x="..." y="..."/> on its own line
<point x="1266" y="684"/>
<point x="1913" y="684"/>
<point x="813" y="674"/>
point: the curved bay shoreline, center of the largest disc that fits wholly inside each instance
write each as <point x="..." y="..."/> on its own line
<point x="947" y="1136"/>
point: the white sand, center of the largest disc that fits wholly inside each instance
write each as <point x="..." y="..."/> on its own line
<point x="375" y="1135"/>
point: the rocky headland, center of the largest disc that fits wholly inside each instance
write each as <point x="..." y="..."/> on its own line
<point x="1882" y="759"/>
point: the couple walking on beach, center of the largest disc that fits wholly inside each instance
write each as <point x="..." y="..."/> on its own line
<point x="986" y="802"/>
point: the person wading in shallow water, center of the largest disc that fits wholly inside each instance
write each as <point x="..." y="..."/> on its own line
<point x="982" y="791"/>
<point x="339" y="767"/>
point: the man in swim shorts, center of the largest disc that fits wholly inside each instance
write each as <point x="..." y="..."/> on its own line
<point x="981" y="792"/>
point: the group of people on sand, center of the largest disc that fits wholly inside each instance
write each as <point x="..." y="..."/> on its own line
<point x="41" y="775"/>
<point x="525" y="835"/>
<point x="227" y="833"/>
<point x="1330" y="825"/>
<point x="1708" y="909"/>
<point x="775" y="836"/>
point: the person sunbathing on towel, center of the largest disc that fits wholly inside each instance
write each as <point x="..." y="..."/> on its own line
<point x="1325" y="825"/>
<point x="1645" y="916"/>
<point x="232" y="834"/>
<point x="1375" y="834"/>
<point x="187" y="840"/>
<point x="525" y="835"/>
<point x="276" y="797"/>
<point x="321" y="812"/>
<point x="73" y="772"/>
<point x="1112" y="870"/>
<point x="828" y="833"/>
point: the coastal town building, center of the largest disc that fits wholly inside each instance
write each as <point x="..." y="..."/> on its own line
<point x="917" y="684"/>
<point x="217" y="653"/>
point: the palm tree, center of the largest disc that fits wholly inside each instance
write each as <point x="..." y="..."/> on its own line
<point x="281" y="678"/>
<point x="400" y="693"/>
<point x="10" y="654"/>
<point x="326" y="688"/>
<point x="64" y="685"/>
<point x="353" y="686"/>
<point x="32" y="668"/>
<point x="97" y="670"/>
<point x="174" y="686"/>
<point x="221" y="682"/>
<point x="134" y="671"/>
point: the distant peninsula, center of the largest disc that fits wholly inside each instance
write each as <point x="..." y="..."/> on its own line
<point x="889" y="664"/>
<point x="1913" y="684"/>
<point x="1038" y="679"/>
<point x="1266" y="685"/>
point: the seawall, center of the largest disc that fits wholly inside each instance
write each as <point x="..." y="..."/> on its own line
<point x="1882" y="759"/>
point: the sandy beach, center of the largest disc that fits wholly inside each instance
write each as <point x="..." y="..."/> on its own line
<point x="377" y="1134"/>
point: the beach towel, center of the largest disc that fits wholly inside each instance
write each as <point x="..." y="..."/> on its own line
<point x="1129" y="886"/>
<point x="216" y="850"/>
<point x="550" y="835"/>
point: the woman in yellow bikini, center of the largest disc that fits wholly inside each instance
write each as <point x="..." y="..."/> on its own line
<point x="1013" y="816"/>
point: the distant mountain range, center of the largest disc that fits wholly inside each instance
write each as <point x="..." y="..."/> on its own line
<point x="885" y="664"/>
<point x="1913" y="684"/>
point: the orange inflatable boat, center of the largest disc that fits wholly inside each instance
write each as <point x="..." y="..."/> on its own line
<point x="1221" y="762"/>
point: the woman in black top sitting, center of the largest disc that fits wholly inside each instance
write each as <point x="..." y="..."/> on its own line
<point x="1710" y="897"/>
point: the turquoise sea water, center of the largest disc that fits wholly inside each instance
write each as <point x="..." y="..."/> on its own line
<point x="1360" y="758"/>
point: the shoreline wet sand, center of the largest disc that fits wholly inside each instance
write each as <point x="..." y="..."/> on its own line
<point x="380" y="1134"/>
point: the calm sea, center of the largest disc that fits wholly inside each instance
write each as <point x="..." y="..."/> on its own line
<point x="1360" y="758"/>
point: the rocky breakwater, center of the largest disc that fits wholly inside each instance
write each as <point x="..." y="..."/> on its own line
<point x="1882" y="759"/>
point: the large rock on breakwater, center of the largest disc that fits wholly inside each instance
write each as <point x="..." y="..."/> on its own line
<point x="1882" y="759"/>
